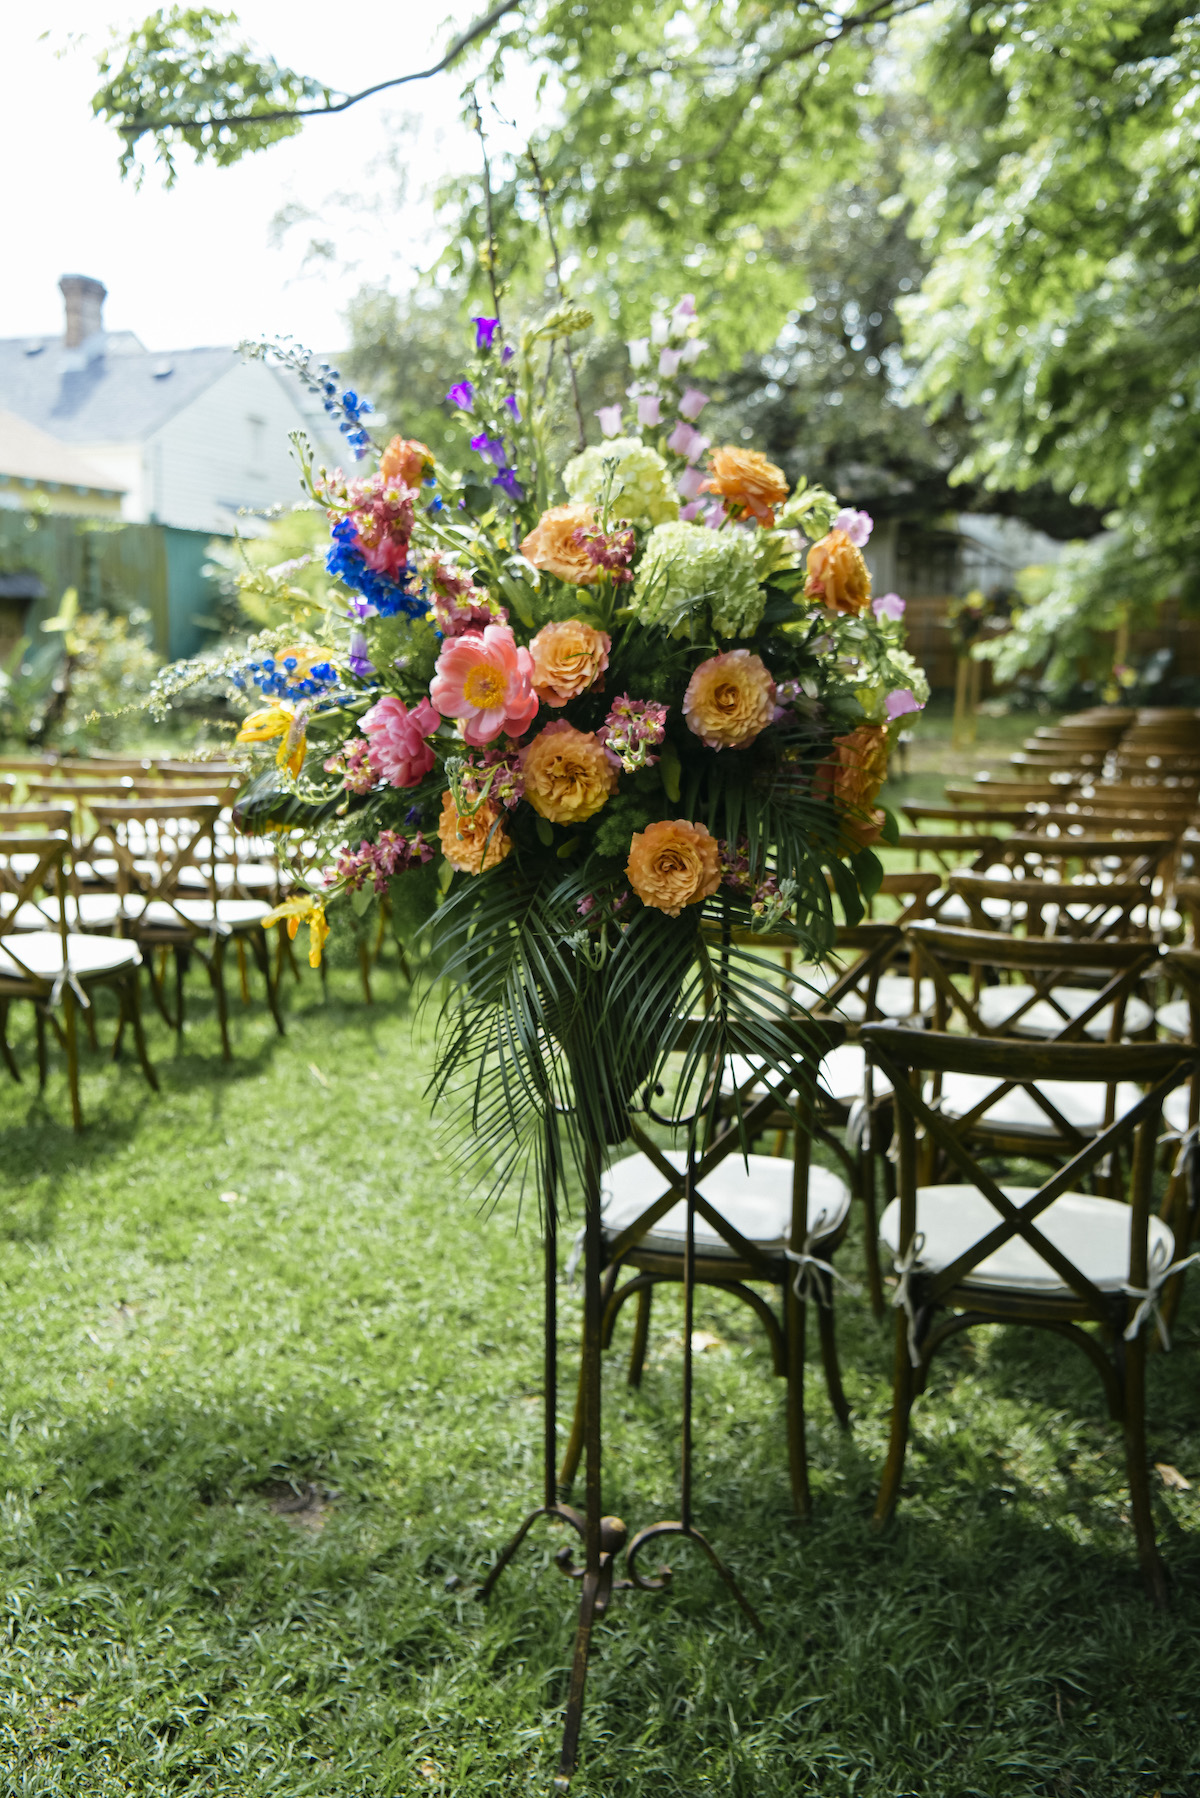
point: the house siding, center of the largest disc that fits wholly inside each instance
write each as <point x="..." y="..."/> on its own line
<point x="225" y="451"/>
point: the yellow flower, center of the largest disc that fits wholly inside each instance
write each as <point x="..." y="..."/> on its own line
<point x="279" y="720"/>
<point x="303" y="908"/>
<point x="551" y="545"/>
<point x="747" y="482"/>
<point x="729" y="699"/>
<point x="673" y="864"/>
<point x="469" y="843"/>
<point x="568" y="658"/>
<point x="567" y="775"/>
<point x="837" y="575"/>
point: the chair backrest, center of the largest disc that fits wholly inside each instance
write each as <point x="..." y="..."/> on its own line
<point x="1134" y="858"/>
<point x="907" y="1056"/>
<point x="151" y="842"/>
<point x="1081" y="909"/>
<point x="35" y="847"/>
<point x="810" y="1040"/>
<point x="1047" y="962"/>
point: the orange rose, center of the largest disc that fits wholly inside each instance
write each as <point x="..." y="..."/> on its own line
<point x="567" y="775"/>
<point x="853" y="775"/>
<point x="729" y="700"/>
<point x="673" y="864"/>
<point x="747" y="481"/>
<point x="837" y="574"/>
<point x="550" y="545"/>
<point x="468" y="843"/>
<point x="406" y="460"/>
<point x="568" y="658"/>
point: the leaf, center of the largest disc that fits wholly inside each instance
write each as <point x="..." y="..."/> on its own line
<point x="362" y="900"/>
<point x="847" y="891"/>
<point x="868" y="871"/>
<point x="545" y="834"/>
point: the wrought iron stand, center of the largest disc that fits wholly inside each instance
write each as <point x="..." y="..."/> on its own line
<point x="604" y="1538"/>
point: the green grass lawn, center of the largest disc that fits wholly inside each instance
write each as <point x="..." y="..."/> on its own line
<point x="267" y="1280"/>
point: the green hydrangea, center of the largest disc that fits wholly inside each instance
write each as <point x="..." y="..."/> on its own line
<point x="686" y="566"/>
<point x="642" y="490"/>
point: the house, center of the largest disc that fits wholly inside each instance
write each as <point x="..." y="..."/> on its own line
<point x="40" y="473"/>
<point x="177" y="448"/>
<point x="190" y="438"/>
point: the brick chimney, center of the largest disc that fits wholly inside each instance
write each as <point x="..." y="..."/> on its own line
<point x="83" y="304"/>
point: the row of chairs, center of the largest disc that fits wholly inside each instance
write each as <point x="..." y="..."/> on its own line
<point x="1031" y="1002"/>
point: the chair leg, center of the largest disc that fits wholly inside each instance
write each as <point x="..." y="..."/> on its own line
<point x="5" y="1046"/>
<point x="794" y="1310"/>
<point x="134" y="991"/>
<point x="904" y="1384"/>
<point x="1138" y="1473"/>
<point x="641" y="1335"/>
<point x="40" y="1028"/>
<point x="364" y="964"/>
<point x="89" y="1022"/>
<point x="71" y="1033"/>
<point x="243" y="975"/>
<point x="866" y="1184"/>
<point x="180" y="969"/>
<point x="829" y="1359"/>
<point x="216" y="974"/>
<point x="262" y="955"/>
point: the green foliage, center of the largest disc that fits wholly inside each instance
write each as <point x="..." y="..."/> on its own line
<point x="77" y="689"/>
<point x="277" y="578"/>
<point x="1061" y="215"/>
<point x="171" y="1357"/>
<point x="189" y="64"/>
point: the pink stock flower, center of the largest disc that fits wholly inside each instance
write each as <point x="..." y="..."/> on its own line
<point x="668" y="362"/>
<point x="900" y="702"/>
<point x="692" y="511"/>
<point x="684" y="310"/>
<point x="610" y="420"/>
<point x="693" y="403"/>
<point x="649" y="409"/>
<point x="857" y="525"/>
<point x="690" y="484"/>
<point x="397" y="738"/>
<point x="888" y="605"/>
<point x="483" y="678"/>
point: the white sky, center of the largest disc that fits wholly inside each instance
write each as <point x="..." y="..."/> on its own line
<point x="196" y="265"/>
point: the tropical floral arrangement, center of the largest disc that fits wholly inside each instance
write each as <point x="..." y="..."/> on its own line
<point x="588" y="730"/>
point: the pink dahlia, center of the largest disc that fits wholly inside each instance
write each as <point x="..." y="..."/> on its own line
<point x="397" y="738"/>
<point x="483" y="678"/>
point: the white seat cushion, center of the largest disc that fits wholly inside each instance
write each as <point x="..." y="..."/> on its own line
<point x="255" y="877"/>
<point x="1176" y="1019"/>
<point x="953" y="909"/>
<point x="25" y="917"/>
<point x="1081" y="1103"/>
<point x="1092" y="1232"/>
<point x="893" y="995"/>
<point x="758" y="1204"/>
<point x="1175" y="1107"/>
<point x="998" y="1003"/>
<point x="842" y="1075"/>
<point x="41" y="954"/>
<point x="235" y="913"/>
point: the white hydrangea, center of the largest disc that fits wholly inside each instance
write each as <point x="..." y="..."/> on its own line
<point x="641" y="491"/>
<point x="685" y="566"/>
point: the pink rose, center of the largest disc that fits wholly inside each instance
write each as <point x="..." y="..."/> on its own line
<point x="397" y="738"/>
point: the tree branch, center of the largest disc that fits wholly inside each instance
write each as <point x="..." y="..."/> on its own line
<point x="137" y="127"/>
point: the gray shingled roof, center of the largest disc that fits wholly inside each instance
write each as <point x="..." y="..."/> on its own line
<point x="122" y="394"/>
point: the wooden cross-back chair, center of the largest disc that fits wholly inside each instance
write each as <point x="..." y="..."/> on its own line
<point x="44" y="962"/>
<point x="147" y="849"/>
<point x="760" y="1219"/>
<point x="1081" y="909"/>
<point x="975" y="1249"/>
<point x="998" y="791"/>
